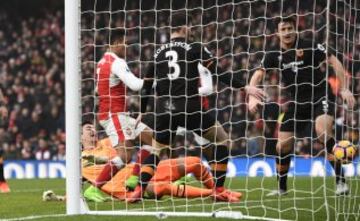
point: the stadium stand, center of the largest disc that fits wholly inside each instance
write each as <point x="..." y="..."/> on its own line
<point x="32" y="73"/>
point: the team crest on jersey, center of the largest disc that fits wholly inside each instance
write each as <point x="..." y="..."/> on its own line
<point x="128" y="131"/>
<point x="300" y="53"/>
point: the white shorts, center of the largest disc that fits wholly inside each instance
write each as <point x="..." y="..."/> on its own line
<point x="121" y="127"/>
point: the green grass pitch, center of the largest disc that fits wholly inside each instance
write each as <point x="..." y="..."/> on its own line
<point x="308" y="199"/>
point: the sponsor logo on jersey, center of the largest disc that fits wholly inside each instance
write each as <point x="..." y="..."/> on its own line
<point x="321" y="47"/>
<point x="128" y="131"/>
<point x="293" y="65"/>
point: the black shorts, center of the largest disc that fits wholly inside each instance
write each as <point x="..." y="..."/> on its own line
<point x="299" y="117"/>
<point x="148" y="119"/>
<point x="166" y="124"/>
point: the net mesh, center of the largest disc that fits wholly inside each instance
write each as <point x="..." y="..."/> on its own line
<point x="239" y="33"/>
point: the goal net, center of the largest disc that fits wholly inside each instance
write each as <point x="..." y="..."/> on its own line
<point x="239" y="34"/>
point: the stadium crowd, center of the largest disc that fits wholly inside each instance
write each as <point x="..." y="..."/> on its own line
<point x="32" y="68"/>
<point x="32" y="80"/>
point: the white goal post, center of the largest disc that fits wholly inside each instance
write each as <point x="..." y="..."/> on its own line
<point x="73" y="106"/>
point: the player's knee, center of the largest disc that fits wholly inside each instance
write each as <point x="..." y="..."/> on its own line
<point x="283" y="147"/>
<point x="320" y="128"/>
<point x="322" y="132"/>
<point x="323" y="125"/>
<point x="146" y="136"/>
<point x="123" y="154"/>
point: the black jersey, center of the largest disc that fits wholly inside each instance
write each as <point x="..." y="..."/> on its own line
<point x="176" y="68"/>
<point x="300" y="70"/>
<point x="175" y="71"/>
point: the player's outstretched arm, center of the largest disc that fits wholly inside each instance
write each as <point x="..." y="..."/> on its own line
<point x="219" y="74"/>
<point x="232" y="79"/>
<point x="122" y="71"/>
<point x="145" y="92"/>
<point x="345" y="93"/>
<point x="254" y="101"/>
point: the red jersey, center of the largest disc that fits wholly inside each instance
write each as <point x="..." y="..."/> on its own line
<point x="113" y="75"/>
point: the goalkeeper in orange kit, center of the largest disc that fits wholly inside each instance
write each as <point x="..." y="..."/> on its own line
<point x="162" y="183"/>
<point x="97" y="153"/>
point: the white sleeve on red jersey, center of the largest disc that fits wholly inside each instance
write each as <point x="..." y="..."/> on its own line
<point x="122" y="71"/>
<point x="205" y="80"/>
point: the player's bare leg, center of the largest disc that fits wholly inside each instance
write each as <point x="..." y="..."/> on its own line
<point x="220" y="138"/>
<point x="323" y="128"/>
<point x="284" y="147"/>
<point x="145" y="138"/>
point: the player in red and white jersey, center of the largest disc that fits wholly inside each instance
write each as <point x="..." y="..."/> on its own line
<point x="113" y="79"/>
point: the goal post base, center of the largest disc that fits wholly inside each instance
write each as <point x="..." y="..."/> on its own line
<point x="84" y="209"/>
<point x="163" y="214"/>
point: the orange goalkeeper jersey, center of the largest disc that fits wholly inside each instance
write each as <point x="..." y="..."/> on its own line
<point x="167" y="170"/>
<point x="90" y="171"/>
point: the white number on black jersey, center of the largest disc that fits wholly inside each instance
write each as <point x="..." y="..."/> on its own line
<point x="173" y="58"/>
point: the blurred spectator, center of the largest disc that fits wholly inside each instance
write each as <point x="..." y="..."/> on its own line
<point x="42" y="151"/>
<point x="60" y="154"/>
<point x="31" y="74"/>
<point x="26" y="152"/>
<point x="32" y="65"/>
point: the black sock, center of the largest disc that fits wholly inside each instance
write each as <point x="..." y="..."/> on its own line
<point x="329" y="144"/>
<point x="2" y="178"/>
<point x="148" y="169"/>
<point x="219" y="164"/>
<point x="339" y="172"/>
<point x="282" y="168"/>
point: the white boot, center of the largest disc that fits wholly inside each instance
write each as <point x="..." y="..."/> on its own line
<point x="342" y="189"/>
<point x="278" y="192"/>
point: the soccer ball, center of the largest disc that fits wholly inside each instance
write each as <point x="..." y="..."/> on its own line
<point x="344" y="151"/>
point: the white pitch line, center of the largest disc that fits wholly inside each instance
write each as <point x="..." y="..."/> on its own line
<point x="125" y="213"/>
<point x="237" y="204"/>
<point x="35" y="190"/>
<point x="34" y="217"/>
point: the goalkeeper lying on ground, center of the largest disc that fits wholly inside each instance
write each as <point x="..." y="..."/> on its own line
<point x="97" y="153"/>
